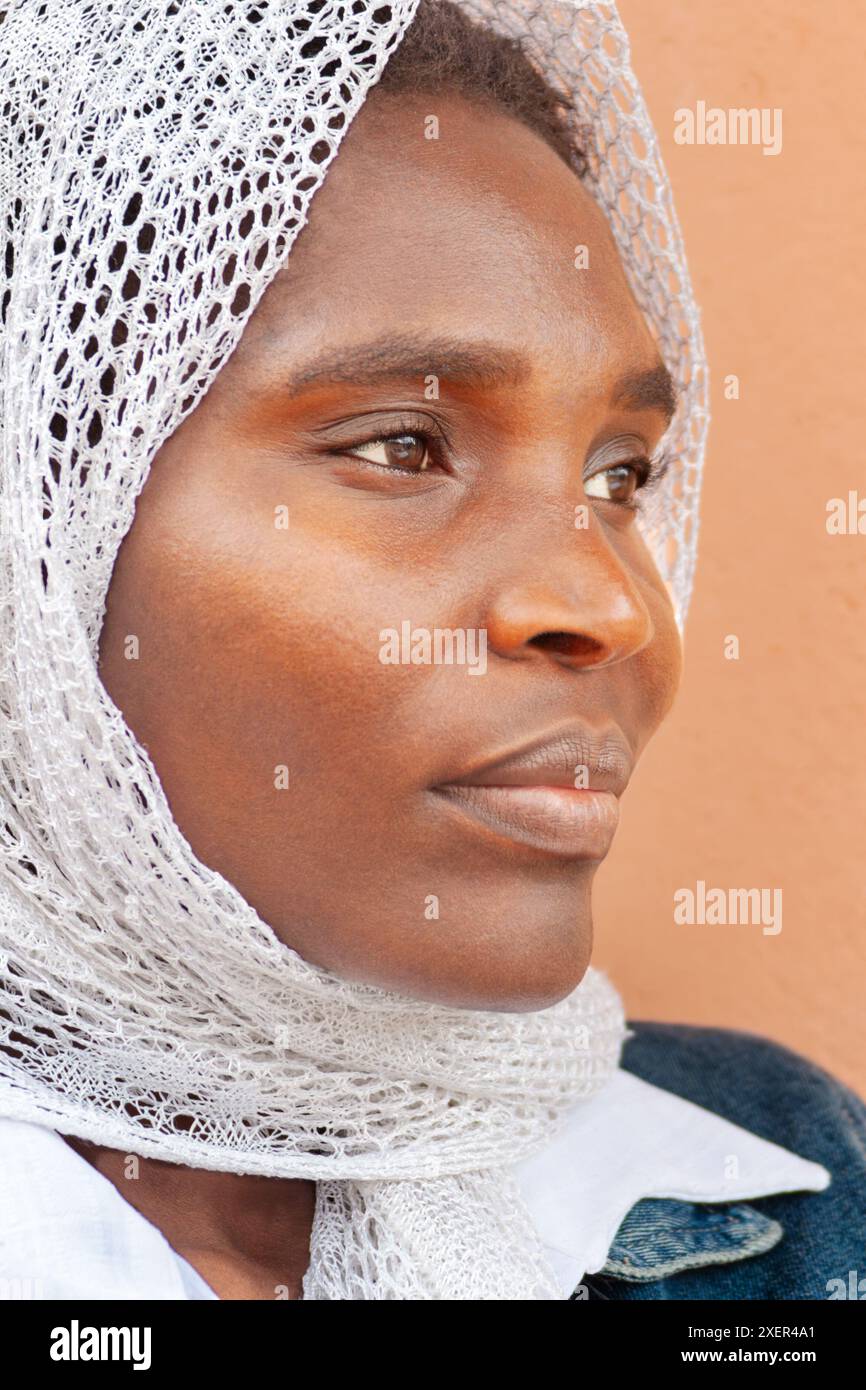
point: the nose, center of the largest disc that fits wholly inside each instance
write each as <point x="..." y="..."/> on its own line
<point x="576" y="602"/>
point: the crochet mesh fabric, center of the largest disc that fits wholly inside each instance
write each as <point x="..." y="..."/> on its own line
<point x="146" y="202"/>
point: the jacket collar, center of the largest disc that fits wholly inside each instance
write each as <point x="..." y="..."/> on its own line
<point x="632" y="1141"/>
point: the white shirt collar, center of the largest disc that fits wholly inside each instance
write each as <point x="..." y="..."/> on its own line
<point x="68" y="1232"/>
<point x="634" y="1140"/>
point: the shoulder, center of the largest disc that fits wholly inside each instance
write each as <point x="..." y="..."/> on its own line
<point x="65" y="1230"/>
<point x="38" y="1201"/>
<point x="784" y="1097"/>
<point x="755" y="1082"/>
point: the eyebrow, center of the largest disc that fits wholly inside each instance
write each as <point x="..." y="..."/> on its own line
<point x="405" y="356"/>
<point x="408" y="355"/>
<point x="652" y="390"/>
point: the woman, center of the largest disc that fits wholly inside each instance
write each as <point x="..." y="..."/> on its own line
<point x="298" y="998"/>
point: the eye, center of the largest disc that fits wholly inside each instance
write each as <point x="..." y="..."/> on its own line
<point x="619" y="483"/>
<point x="411" y="452"/>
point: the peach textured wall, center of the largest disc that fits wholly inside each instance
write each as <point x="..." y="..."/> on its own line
<point x="759" y="777"/>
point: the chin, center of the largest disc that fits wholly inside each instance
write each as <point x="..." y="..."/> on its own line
<point x="519" y="968"/>
<point x="518" y="992"/>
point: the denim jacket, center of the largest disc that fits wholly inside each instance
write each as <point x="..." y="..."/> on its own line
<point x="790" y="1246"/>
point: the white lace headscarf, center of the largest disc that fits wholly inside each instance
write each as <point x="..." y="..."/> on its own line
<point x="146" y="201"/>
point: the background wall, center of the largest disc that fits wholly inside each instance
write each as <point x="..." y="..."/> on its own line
<point x="759" y="778"/>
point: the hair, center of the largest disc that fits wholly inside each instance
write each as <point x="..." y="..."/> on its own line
<point x="444" y="50"/>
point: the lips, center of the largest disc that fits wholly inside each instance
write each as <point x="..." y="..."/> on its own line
<point x="559" y="794"/>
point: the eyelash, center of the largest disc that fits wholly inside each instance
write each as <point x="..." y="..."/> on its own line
<point x="650" y="471"/>
<point x="433" y="441"/>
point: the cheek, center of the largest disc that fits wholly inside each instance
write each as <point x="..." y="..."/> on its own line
<point x="258" y="649"/>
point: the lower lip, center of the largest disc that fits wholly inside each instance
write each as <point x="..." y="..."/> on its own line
<point x="579" y="824"/>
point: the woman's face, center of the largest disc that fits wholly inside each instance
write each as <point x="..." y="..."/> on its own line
<point x="436" y="296"/>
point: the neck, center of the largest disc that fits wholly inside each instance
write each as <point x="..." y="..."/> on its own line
<point x="247" y="1233"/>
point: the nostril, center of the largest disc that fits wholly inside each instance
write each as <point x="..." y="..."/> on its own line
<point x="570" y="644"/>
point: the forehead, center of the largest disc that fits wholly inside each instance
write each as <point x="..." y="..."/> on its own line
<point x="482" y="231"/>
